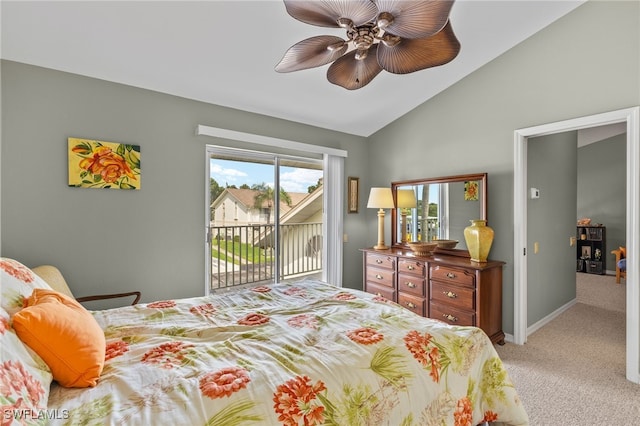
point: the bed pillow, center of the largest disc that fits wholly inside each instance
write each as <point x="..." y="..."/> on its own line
<point x="24" y="376"/>
<point x="65" y="335"/>
<point x="16" y="283"/>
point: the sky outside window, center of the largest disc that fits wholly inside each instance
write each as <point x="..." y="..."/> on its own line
<point x="292" y="179"/>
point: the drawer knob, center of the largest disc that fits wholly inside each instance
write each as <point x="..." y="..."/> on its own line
<point x="450" y="294"/>
<point x="410" y="305"/>
<point x="378" y="276"/>
<point x="378" y="261"/>
<point x="411" y="285"/>
<point x="450" y="317"/>
<point x="410" y="267"/>
<point x="451" y="275"/>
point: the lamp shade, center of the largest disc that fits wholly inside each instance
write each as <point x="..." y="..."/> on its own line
<point x="406" y="199"/>
<point x="380" y="198"/>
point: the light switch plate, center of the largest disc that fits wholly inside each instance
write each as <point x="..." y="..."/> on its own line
<point x="535" y="193"/>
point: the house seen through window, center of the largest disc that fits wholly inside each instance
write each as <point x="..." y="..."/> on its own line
<point x="265" y="218"/>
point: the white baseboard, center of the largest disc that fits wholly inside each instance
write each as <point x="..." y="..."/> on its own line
<point x="544" y="321"/>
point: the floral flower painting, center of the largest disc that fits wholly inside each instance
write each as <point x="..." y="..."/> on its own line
<point x="98" y="164"/>
<point x="471" y="190"/>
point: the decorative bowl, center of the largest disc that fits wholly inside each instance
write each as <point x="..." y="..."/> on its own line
<point x="446" y="244"/>
<point x="422" y="248"/>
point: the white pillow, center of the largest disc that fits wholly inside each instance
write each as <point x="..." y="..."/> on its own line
<point x="24" y="377"/>
<point x="16" y="284"/>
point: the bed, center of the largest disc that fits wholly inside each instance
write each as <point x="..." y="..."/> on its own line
<point x="303" y="353"/>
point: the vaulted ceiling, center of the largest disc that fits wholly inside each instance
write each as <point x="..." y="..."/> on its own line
<point x="224" y="52"/>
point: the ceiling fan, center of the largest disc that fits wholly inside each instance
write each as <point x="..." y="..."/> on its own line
<point x="398" y="36"/>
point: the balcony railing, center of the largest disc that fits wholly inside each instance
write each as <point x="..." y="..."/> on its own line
<point x="245" y="254"/>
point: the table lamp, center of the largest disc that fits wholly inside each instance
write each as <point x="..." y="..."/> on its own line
<point x="380" y="198"/>
<point x="406" y="200"/>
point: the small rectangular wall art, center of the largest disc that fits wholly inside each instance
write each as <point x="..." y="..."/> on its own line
<point x="103" y="165"/>
<point x="353" y="194"/>
<point x="471" y="190"/>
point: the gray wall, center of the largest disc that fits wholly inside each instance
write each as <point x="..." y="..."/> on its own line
<point x="551" y="221"/>
<point x="110" y="241"/>
<point x="567" y="70"/>
<point x="602" y="186"/>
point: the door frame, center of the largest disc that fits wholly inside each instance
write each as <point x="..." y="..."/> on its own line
<point x="630" y="116"/>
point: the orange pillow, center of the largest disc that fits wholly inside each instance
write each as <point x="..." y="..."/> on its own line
<point x="65" y="335"/>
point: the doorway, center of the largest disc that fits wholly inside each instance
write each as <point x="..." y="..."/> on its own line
<point x="630" y="116"/>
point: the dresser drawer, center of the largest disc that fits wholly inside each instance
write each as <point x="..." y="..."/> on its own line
<point x="380" y="276"/>
<point x="410" y="266"/>
<point x="451" y="315"/>
<point x="412" y="284"/>
<point x="457" y="296"/>
<point x="381" y="261"/>
<point x="458" y="276"/>
<point x="415" y="304"/>
<point x="380" y="290"/>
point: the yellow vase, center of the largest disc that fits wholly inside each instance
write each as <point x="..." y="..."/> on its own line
<point x="479" y="238"/>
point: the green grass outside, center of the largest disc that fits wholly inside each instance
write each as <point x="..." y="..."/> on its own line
<point x="245" y="251"/>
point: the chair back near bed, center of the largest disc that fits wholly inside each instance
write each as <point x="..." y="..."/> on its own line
<point x="54" y="278"/>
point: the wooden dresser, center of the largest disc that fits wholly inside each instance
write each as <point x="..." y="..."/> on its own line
<point x="445" y="287"/>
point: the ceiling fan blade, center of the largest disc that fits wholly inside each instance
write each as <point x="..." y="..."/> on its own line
<point x="412" y="18"/>
<point x="312" y="52"/>
<point x="326" y="13"/>
<point x="411" y="55"/>
<point x="352" y="73"/>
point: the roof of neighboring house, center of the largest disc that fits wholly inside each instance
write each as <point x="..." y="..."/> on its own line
<point x="305" y="208"/>
<point x="246" y="197"/>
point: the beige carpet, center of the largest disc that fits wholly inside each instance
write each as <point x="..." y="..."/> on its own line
<point x="572" y="370"/>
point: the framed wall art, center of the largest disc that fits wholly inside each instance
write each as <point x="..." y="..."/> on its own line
<point x="104" y="165"/>
<point x="353" y="194"/>
<point x="471" y="190"/>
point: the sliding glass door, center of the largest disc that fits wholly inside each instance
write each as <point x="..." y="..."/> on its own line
<point x="264" y="216"/>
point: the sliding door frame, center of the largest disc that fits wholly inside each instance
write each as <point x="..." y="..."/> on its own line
<point x="333" y="195"/>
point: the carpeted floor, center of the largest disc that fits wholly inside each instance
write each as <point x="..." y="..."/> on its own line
<point x="572" y="370"/>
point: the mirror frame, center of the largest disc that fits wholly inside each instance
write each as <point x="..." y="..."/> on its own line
<point x="482" y="177"/>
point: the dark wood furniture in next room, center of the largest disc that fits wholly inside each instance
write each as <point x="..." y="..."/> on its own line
<point x="591" y="249"/>
<point x="445" y="286"/>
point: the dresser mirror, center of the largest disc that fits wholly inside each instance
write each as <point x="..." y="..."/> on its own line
<point x="440" y="208"/>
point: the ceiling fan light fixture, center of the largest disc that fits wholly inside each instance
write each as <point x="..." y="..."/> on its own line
<point x="384" y="20"/>
<point x="399" y="36"/>
<point x="364" y="36"/>
<point x="390" y="40"/>
<point x="345" y="23"/>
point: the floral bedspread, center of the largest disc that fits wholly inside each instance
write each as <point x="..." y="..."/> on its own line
<point x="305" y="353"/>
